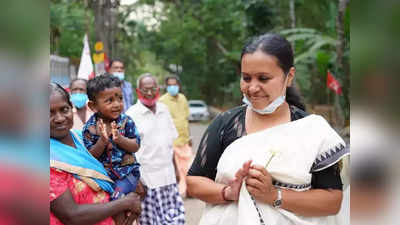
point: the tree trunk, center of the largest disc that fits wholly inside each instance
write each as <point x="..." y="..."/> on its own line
<point x="340" y="46"/>
<point x="99" y="22"/>
<point x="292" y="14"/>
<point x="54" y="40"/>
<point x="105" y="17"/>
<point x="340" y="32"/>
<point x="113" y="33"/>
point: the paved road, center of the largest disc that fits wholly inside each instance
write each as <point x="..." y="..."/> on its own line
<point x="197" y="130"/>
<point x="194" y="207"/>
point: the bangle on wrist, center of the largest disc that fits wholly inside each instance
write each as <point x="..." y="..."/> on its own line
<point x="223" y="193"/>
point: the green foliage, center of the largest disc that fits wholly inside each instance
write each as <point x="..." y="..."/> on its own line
<point x="24" y="27"/>
<point x="311" y="41"/>
<point x="315" y="55"/>
<point x="68" y="25"/>
<point x="205" y="38"/>
<point x="206" y="45"/>
<point x="147" y="63"/>
<point x="317" y="14"/>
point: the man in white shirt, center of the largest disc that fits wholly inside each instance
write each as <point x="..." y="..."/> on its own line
<point x="162" y="204"/>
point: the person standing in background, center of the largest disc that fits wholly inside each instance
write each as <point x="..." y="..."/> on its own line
<point x="162" y="204"/>
<point x="79" y="99"/>
<point x="117" y="68"/>
<point x="179" y="109"/>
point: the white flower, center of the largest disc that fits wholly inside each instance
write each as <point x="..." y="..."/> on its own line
<point x="274" y="152"/>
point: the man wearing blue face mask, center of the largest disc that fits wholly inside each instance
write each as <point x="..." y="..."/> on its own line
<point x="79" y="98"/>
<point x="179" y="109"/>
<point x="117" y="69"/>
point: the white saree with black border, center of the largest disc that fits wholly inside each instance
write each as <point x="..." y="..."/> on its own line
<point x="299" y="148"/>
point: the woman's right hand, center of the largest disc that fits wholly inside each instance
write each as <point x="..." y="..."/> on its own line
<point x="132" y="209"/>
<point x="233" y="189"/>
<point x="132" y="203"/>
<point x="141" y="190"/>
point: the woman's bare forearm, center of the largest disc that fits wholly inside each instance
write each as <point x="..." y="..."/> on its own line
<point x="315" y="202"/>
<point x="68" y="212"/>
<point x="205" y="189"/>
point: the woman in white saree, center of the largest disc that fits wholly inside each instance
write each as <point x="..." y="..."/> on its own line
<point x="268" y="162"/>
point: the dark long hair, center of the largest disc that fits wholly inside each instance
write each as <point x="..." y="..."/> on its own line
<point x="276" y="45"/>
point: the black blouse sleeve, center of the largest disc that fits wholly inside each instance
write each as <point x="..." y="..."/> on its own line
<point x="328" y="178"/>
<point x="209" y="151"/>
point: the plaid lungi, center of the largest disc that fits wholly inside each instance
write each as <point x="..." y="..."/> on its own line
<point x="162" y="206"/>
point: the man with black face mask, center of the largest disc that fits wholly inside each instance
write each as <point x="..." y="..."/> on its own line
<point x="157" y="132"/>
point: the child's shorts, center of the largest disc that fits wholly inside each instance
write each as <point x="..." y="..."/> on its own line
<point x="126" y="185"/>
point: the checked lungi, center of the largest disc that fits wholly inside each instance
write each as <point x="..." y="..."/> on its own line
<point x="163" y="206"/>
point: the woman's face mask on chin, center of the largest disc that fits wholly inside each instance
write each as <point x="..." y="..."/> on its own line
<point x="263" y="82"/>
<point x="257" y="102"/>
<point x="270" y="108"/>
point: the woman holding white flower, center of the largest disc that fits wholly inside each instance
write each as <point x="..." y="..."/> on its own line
<point x="267" y="161"/>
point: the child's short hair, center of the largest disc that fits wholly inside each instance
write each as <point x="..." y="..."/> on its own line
<point x="100" y="83"/>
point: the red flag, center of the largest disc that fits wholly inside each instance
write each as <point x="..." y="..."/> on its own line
<point x="106" y="62"/>
<point x="333" y="84"/>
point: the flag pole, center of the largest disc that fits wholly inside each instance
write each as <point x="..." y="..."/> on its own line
<point x="328" y="95"/>
<point x="87" y="21"/>
<point x="87" y="18"/>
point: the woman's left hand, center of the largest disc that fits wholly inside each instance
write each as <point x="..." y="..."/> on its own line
<point x="259" y="184"/>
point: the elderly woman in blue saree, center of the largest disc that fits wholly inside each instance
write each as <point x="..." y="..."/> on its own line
<point x="79" y="185"/>
<point x="268" y="161"/>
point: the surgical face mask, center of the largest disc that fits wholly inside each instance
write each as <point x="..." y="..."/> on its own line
<point x="120" y="75"/>
<point x="272" y="106"/>
<point x="173" y="89"/>
<point x="146" y="101"/>
<point x="79" y="99"/>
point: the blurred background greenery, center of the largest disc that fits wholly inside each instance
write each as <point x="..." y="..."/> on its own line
<point x="201" y="42"/>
